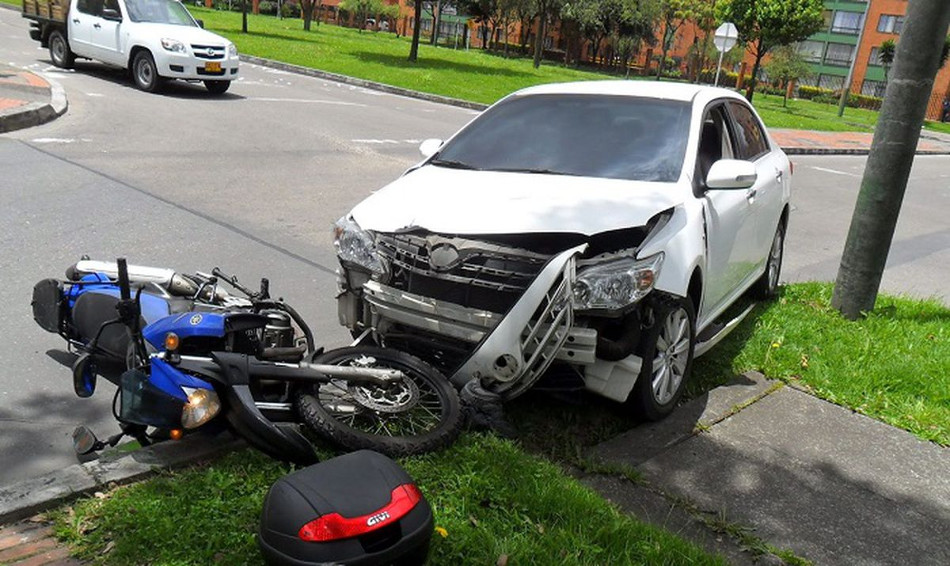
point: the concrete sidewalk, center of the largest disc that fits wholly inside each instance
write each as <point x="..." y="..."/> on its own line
<point x="796" y="472"/>
<point x="27" y="99"/>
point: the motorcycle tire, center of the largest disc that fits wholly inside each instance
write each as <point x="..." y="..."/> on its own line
<point x="401" y="419"/>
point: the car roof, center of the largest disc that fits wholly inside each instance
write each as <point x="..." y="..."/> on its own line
<point x="641" y="88"/>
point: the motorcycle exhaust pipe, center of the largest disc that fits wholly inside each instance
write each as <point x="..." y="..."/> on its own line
<point x="168" y="279"/>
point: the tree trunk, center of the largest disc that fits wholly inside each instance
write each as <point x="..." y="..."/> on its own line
<point x="243" y="16"/>
<point x="436" y="16"/>
<point x="307" y="6"/>
<point x="539" y="40"/>
<point x="892" y="155"/>
<point x="417" y="23"/>
<point x="750" y="92"/>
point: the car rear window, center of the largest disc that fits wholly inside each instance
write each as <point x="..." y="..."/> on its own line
<point x="615" y="137"/>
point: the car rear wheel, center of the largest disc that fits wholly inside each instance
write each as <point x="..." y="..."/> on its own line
<point x="766" y="287"/>
<point x="145" y="73"/>
<point x="667" y="351"/>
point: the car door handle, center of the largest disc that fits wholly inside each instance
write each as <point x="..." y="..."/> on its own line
<point x="97" y="26"/>
<point x="750" y="195"/>
<point x="778" y="175"/>
<point x="75" y="20"/>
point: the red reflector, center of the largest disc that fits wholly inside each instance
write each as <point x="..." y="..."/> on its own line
<point x="335" y="526"/>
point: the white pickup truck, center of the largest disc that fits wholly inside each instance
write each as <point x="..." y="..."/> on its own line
<point x="156" y="40"/>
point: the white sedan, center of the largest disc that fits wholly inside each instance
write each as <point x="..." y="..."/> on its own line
<point x="602" y="225"/>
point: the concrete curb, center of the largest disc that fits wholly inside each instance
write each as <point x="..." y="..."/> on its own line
<point x="297" y="69"/>
<point x="34" y="495"/>
<point x="36" y="113"/>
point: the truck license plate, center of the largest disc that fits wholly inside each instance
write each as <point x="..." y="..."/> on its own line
<point x="213" y="67"/>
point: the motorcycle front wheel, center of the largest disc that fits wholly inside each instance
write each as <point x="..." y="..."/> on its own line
<point x="419" y="414"/>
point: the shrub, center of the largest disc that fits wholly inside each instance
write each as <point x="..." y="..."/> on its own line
<point x="811" y="92"/>
<point x="726" y="78"/>
<point x="290" y="10"/>
<point x="267" y="8"/>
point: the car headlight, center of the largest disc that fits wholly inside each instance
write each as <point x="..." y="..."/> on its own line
<point x="615" y="284"/>
<point x="355" y="245"/>
<point x="232" y="50"/>
<point x="173" y="45"/>
<point x="201" y="407"/>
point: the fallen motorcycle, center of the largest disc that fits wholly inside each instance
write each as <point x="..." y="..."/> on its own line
<point x="190" y="352"/>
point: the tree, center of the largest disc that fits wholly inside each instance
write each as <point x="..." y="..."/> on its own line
<point x="766" y="24"/>
<point x="787" y="65"/>
<point x="892" y="155"/>
<point x="885" y="55"/>
<point x="544" y="10"/>
<point x="417" y="24"/>
<point x="674" y="14"/>
<point x="306" y="8"/>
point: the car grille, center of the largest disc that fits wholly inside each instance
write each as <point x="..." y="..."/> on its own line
<point x="483" y="275"/>
<point x="209" y="52"/>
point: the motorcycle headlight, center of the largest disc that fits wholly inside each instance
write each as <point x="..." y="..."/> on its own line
<point x="202" y="406"/>
<point x="232" y="50"/>
<point x="173" y="45"/>
<point x="355" y="245"/>
<point x="615" y="284"/>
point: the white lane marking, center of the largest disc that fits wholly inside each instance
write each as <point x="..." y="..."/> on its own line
<point x="94" y="94"/>
<point x="306" y="100"/>
<point x="835" y="171"/>
<point x="382" y="142"/>
<point x="59" y="140"/>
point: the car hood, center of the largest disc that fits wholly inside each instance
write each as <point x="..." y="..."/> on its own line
<point x="456" y="201"/>
<point x="186" y="34"/>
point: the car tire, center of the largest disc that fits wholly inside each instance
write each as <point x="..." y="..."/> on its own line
<point x="766" y="286"/>
<point x="145" y="73"/>
<point x="59" y="52"/>
<point x="666" y="348"/>
<point x="217" y="87"/>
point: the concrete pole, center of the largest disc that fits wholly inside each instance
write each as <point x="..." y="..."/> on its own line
<point x="892" y="155"/>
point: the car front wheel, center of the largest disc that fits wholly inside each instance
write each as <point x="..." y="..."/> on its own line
<point x="145" y="73"/>
<point x="667" y="351"/>
<point x="59" y="51"/>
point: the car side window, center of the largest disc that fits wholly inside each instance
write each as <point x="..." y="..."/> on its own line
<point x="751" y="142"/>
<point x="112" y="5"/>
<point x="90" y="7"/>
<point x="715" y="141"/>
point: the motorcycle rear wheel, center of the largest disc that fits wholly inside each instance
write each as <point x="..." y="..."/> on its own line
<point x="420" y="414"/>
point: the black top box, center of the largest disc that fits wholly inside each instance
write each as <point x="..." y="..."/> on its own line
<point x="361" y="508"/>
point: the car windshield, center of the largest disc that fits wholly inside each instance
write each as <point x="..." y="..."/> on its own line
<point x="159" y="12"/>
<point x="615" y="137"/>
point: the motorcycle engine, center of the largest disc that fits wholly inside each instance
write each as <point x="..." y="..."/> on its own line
<point x="279" y="333"/>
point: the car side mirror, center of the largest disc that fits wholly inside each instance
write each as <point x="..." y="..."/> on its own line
<point x="111" y="14"/>
<point x="201" y="23"/>
<point x="428" y="147"/>
<point x="731" y="174"/>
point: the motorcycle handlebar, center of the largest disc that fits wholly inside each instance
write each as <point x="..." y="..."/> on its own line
<point x="124" y="289"/>
<point x="232" y="281"/>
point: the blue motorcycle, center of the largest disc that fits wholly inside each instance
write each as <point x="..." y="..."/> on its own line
<point x="187" y="353"/>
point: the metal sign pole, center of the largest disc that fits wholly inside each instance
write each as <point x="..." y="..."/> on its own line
<point x="719" y="66"/>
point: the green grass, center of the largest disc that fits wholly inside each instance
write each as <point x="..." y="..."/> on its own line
<point x="490" y="499"/>
<point x="17" y="3"/>
<point x="893" y="365"/>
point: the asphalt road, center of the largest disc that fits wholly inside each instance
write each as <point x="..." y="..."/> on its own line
<point x="252" y="182"/>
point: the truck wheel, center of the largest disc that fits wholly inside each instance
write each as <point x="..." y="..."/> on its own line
<point x="667" y="351"/>
<point x="145" y="73"/>
<point x="217" y="87"/>
<point x="59" y="51"/>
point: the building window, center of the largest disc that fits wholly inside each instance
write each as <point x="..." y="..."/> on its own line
<point x="811" y="51"/>
<point x="833" y="82"/>
<point x="875" y="58"/>
<point x="847" y="23"/>
<point x="873" y="88"/>
<point x="839" y="54"/>
<point x="890" y="24"/>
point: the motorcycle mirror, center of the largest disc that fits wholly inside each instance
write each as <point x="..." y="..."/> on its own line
<point x="84" y="376"/>
<point x="84" y="440"/>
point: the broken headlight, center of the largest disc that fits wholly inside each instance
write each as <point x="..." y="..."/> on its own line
<point x="615" y="284"/>
<point x="355" y="245"/>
